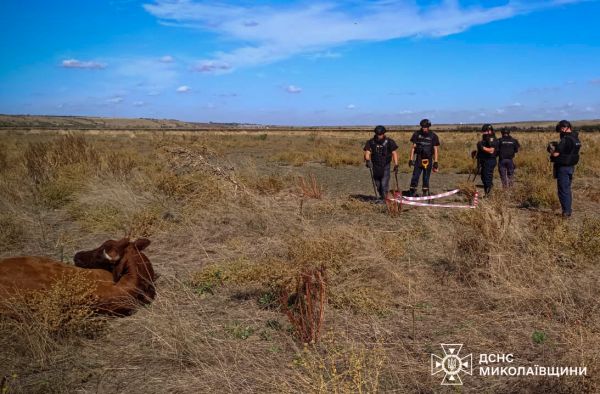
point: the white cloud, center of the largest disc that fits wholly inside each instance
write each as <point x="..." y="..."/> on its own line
<point x="183" y="89"/>
<point x="74" y="63"/>
<point x="139" y="103"/>
<point x="350" y="106"/>
<point x="167" y="59"/>
<point x="326" y="55"/>
<point x="293" y="89"/>
<point x="268" y="34"/>
<point x="115" y="100"/>
<point x="211" y="66"/>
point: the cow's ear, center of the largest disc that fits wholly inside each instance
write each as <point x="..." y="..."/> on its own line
<point x="141" y="243"/>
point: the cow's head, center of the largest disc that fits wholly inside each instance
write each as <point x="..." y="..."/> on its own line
<point x="106" y="257"/>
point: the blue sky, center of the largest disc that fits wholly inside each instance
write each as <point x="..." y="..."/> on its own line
<point x="302" y="62"/>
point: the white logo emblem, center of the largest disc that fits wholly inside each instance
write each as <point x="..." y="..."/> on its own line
<point x="451" y="364"/>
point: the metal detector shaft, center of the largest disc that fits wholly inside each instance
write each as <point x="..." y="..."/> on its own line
<point x="397" y="187"/>
<point x="373" y="181"/>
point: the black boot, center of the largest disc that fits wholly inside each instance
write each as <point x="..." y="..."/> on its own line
<point x="426" y="193"/>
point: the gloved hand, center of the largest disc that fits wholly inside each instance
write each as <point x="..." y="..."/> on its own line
<point x="435" y="166"/>
<point x="368" y="163"/>
<point x="411" y="163"/>
<point x="473" y="154"/>
<point x="395" y="168"/>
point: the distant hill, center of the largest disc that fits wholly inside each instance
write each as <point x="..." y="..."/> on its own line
<point x="44" y="122"/>
<point x="98" y="123"/>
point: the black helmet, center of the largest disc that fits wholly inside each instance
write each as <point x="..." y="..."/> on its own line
<point x="379" y="130"/>
<point x="563" y="123"/>
<point x="505" y="131"/>
<point x="487" y="127"/>
<point x="425" y="123"/>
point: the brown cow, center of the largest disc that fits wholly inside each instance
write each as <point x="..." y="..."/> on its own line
<point x="135" y="276"/>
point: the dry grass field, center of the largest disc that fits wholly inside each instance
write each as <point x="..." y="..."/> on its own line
<point x="236" y="218"/>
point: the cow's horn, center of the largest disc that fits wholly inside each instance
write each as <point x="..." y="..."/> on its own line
<point x="107" y="257"/>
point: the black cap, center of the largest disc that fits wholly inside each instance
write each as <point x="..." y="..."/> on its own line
<point x="425" y="123"/>
<point x="563" y="123"/>
<point x="487" y="127"/>
<point x="379" y="130"/>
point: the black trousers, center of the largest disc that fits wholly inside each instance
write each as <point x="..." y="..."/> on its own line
<point x="506" y="168"/>
<point x="487" y="173"/>
<point x="417" y="171"/>
<point x="381" y="176"/>
<point x="564" y="178"/>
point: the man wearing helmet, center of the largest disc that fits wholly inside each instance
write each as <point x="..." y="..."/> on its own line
<point x="380" y="151"/>
<point x="565" y="155"/>
<point x="425" y="148"/>
<point x="486" y="155"/>
<point x="507" y="148"/>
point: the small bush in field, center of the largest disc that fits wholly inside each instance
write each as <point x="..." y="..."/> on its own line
<point x="120" y="163"/>
<point x="42" y="160"/>
<point x="293" y="158"/>
<point x="340" y="365"/>
<point x="536" y="192"/>
<point x="37" y="162"/>
<point x="59" y="191"/>
<point x="97" y="217"/>
<point x="310" y="188"/>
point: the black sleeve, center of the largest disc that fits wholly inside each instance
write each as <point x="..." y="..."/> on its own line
<point x="393" y="145"/>
<point x="517" y="146"/>
<point x="413" y="139"/>
<point x="367" y="146"/>
<point x="436" y="140"/>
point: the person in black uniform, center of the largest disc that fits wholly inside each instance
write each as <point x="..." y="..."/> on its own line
<point x="380" y="151"/>
<point x="423" y="156"/>
<point x="486" y="154"/>
<point x="507" y="148"/>
<point x="565" y="156"/>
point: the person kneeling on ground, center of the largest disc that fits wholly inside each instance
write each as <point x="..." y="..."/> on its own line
<point x="380" y="151"/>
<point x="486" y="154"/>
<point x="425" y="147"/>
<point x="507" y="148"/>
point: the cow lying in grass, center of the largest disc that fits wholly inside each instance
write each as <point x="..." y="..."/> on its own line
<point x="131" y="282"/>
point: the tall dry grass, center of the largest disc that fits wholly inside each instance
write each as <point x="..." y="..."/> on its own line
<point x="226" y="239"/>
